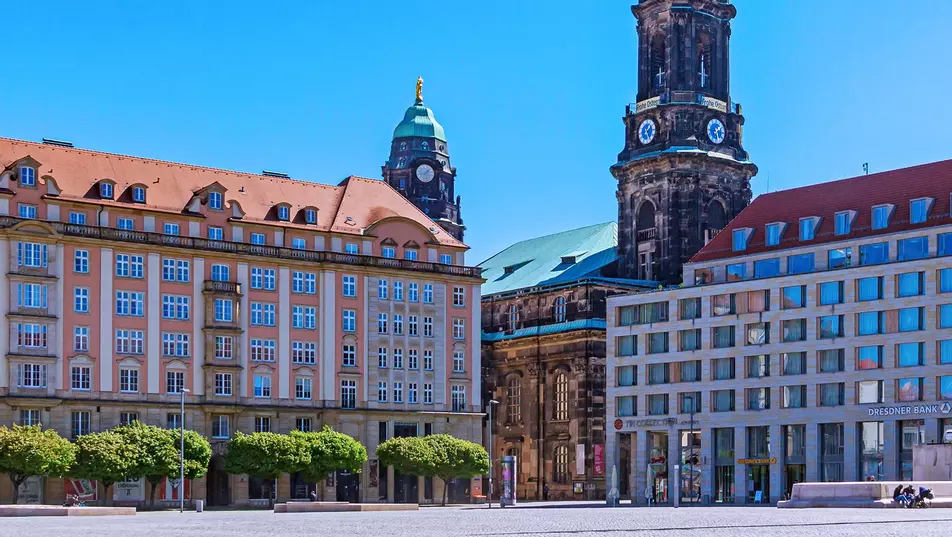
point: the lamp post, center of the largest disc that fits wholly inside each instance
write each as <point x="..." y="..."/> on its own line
<point x="690" y="461"/>
<point x="182" y="453"/>
<point x="490" y="495"/>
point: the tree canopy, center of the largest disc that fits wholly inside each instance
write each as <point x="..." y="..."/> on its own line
<point x="266" y="455"/>
<point x="409" y="455"/>
<point x="28" y="451"/>
<point x="106" y="457"/>
<point x="157" y="454"/>
<point x="439" y="455"/>
<point x="330" y="451"/>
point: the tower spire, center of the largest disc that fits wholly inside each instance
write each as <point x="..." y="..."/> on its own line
<point x="419" y="90"/>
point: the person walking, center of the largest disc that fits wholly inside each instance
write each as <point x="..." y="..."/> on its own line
<point x="545" y="491"/>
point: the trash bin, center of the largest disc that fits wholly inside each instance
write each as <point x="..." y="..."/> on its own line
<point x="199" y="506"/>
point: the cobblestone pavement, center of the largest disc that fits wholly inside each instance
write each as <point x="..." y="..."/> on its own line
<point x="560" y="519"/>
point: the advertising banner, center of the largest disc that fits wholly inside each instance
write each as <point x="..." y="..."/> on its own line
<point x="168" y="490"/>
<point x="508" y="496"/>
<point x="580" y="459"/>
<point x="86" y="489"/>
<point x="31" y="490"/>
<point x="599" y="459"/>
<point x="132" y="490"/>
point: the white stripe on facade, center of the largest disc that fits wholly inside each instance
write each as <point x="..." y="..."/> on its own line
<point x="153" y="337"/>
<point x="57" y="309"/>
<point x="474" y="347"/>
<point x="284" y="332"/>
<point x="4" y="309"/>
<point x="107" y="308"/>
<point x="244" y="320"/>
<point x="198" y="321"/>
<point x="328" y="335"/>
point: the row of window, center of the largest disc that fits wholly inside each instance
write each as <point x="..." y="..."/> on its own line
<point x="842" y="223"/>
<point x="560" y="407"/>
<point x="911" y="354"/>
<point x="382" y="393"/>
<point x="383" y="326"/>
<point x="558" y="313"/>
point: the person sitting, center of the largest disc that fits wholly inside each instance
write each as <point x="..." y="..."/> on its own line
<point x="313" y="495"/>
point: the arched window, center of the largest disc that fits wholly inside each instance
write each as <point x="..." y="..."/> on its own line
<point x="558" y="309"/>
<point x="560" y="473"/>
<point x="403" y="146"/>
<point x="657" y="63"/>
<point x="425" y="146"/>
<point x="716" y="215"/>
<point x="513" y="317"/>
<point x="704" y="61"/>
<point x="561" y="397"/>
<point x="514" y="400"/>
<point x="646" y="222"/>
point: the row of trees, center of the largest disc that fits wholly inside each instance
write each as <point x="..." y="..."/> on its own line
<point x="126" y="452"/>
<point x="438" y="455"/>
<point x="145" y="451"/>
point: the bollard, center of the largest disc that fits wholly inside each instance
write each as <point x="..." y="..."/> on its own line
<point x="199" y="506"/>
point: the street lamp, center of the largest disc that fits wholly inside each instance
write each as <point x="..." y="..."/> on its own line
<point x="490" y="495"/>
<point x="181" y="492"/>
<point x="690" y="398"/>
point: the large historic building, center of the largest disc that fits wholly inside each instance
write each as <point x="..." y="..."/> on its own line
<point x="683" y="173"/>
<point x="543" y="344"/>
<point x="277" y="304"/>
<point x="419" y="166"/>
<point x="812" y="341"/>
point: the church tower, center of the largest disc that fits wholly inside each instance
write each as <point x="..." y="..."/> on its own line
<point x="683" y="173"/>
<point x="419" y="166"/>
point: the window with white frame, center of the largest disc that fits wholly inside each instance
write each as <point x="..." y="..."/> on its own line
<point x="175" y="344"/>
<point x="446" y="259"/>
<point x="105" y="190"/>
<point x="262" y="386"/>
<point x="428" y="327"/>
<point x="382" y="323"/>
<point x="412" y="325"/>
<point x="258" y="239"/>
<point x="26" y="210"/>
<point x="427" y="360"/>
<point x="303" y="424"/>
<point x="27" y="176"/>
<point x="215" y="200"/>
<point x="349" y="355"/>
<point x="221" y="273"/>
<point x="31" y="375"/>
<point x="126" y="224"/>
<point x="459" y="296"/>
<point x="808" y="228"/>
<point x="128" y="380"/>
<point x="398" y="324"/>
<point x="220" y="427"/>
<point x="382" y="391"/>
<point x="80" y="422"/>
<point x="81" y="261"/>
<point x="310" y="216"/>
<point x="412" y="393"/>
<point x="382" y="288"/>
<point x="351" y="248"/>
<point x="459" y="358"/>
<point x="138" y="194"/>
<point x="413" y="359"/>
<point x="349" y="288"/>
<point x="398" y="358"/>
<point x="174" y="382"/>
<point x="222" y="384"/>
<point x="284" y="212"/>
<point x="224" y="309"/>
<point x="458" y="395"/>
<point x="223" y="348"/>
<point x="842" y="222"/>
<point x="170" y="228"/>
<point x="262" y="350"/>
<point x="919" y="210"/>
<point x="459" y="328"/>
<point x="512" y="320"/>
<point x="427" y="394"/>
<point x="382" y="361"/>
<point x="175" y="270"/>
<point x="398" y="290"/>
<point x="559" y="309"/>
<point x="413" y="292"/>
<point x="31" y="336"/>
<point x="397" y="392"/>
<point x="80" y="377"/>
<point x="739" y="239"/>
<point x="173" y="421"/>
<point x="215" y="233"/>
<point x="81" y="338"/>
<point x="298" y="243"/>
<point x="348" y="393"/>
<point x="126" y="418"/>
<point x="31" y="295"/>
<point x="303" y="352"/>
<point x="129" y="341"/>
<point x="130" y="303"/>
<point x="78" y="219"/>
<point x="349" y="320"/>
<point x="428" y="293"/>
<point x="881" y="216"/>
<point x="30" y="416"/>
<point x="176" y="307"/>
<point x="262" y="314"/>
<point x="410" y="254"/>
<point x="302" y="388"/>
<point x="31" y="254"/>
<point x="388" y="252"/>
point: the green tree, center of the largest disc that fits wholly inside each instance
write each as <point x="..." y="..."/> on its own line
<point x="457" y="459"/>
<point x="29" y="451"/>
<point x="106" y="457"/>
<point x="409" y="455"/>
<point x="266" y="455"/>
<point x="330" y="451"/>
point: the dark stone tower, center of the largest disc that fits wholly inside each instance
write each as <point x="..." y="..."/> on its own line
<point x="419" y="166"/>
<point x="683" y="173"/>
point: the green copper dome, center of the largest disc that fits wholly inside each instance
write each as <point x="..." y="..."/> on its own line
<point x="419" y="122"/>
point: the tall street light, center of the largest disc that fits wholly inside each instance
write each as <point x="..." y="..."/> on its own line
<point x="182" y="453"/>
<point x="490" y="495"/>
<point x="691" y="450"/>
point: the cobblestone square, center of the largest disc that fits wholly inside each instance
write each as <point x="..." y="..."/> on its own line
<point x="562" y="519"/>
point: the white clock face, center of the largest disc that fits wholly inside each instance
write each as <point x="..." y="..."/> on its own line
<point x="646" y="132"/>
<point x="715" y="131"/>
<point x="424" y="173"/>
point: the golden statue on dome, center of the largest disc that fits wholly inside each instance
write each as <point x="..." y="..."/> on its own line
<point x="419" y="89"/>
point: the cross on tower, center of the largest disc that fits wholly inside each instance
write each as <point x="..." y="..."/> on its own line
<point x="703" y="72"/>
<point x="659" y="78"/>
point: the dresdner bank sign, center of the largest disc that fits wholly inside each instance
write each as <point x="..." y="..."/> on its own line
<point x="943" y="408"/>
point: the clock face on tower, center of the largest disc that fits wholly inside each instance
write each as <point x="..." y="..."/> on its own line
<point x="646" y="132"/>
<point x="424" y="173"/>
<point x="715" y="131"/>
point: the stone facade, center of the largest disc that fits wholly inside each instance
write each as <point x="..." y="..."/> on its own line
<point x="683" y="173"/>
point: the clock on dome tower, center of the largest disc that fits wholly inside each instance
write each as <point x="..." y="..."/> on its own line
<point x="419" y="166"/>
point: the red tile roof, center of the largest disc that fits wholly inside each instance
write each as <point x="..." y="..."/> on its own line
<point x="860" y="194"/>
<point x="170" y="187"/>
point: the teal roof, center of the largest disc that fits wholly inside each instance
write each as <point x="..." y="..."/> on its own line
<point x="581" y="324"/>
<point x="419" y="122"/>
<point x="561" y="257"/>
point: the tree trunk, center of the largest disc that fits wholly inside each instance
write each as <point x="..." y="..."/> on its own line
<point x="16" y="488"/>
<point x="446" y="485"/>
<point x="152" y="487"/>
<point x="107" y="501"/>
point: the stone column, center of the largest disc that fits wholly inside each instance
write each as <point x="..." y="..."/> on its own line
<point x="850" y="453"/>
<point x="813" y="451"/>
<point x="674" y="458"/>
<point x="740" y="470"/>
<point x="639" y="458"/>
<point x="390" y="487"/>
<point x="776" y="470"/>
<point x="707" y="456"/>
<point x="891" y="434"/>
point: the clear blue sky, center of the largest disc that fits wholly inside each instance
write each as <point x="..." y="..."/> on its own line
<point x="531" y="94"/>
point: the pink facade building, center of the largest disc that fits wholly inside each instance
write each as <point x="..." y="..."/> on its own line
<point x="279" y="304"/>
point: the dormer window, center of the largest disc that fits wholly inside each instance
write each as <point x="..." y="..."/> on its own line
<point x="214" y="200"/>
<point x="310" y="216"/>
<point x="410" y="254"/>
<point x="27" y="176"/>
<point x="739" y="239"/>
<point x="881" y="216"/>
<point x="138" y="194"/>
<point x="842" y="222"/>
<point x="919" y="210"/>
<point x="773" y="233"/>
<point x="105" y="191"/>
<point x="808" y="228"/>
<point x="284" y="212"/>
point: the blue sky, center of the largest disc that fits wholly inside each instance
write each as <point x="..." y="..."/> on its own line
<point x="531" y="94"/>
